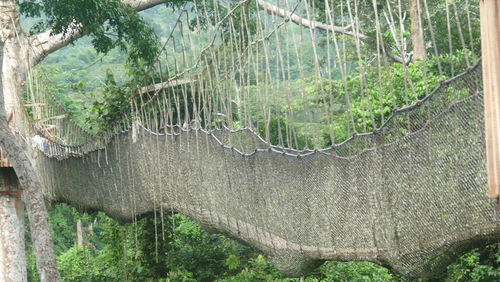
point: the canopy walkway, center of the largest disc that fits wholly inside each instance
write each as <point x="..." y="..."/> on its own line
<point x="411" y="194"/>
<point x="411" y="202"/>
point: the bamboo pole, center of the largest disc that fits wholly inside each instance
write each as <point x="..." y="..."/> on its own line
<point x="490" y="39"/>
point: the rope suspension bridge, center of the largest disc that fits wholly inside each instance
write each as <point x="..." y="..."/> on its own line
<point x="224" y="128"/>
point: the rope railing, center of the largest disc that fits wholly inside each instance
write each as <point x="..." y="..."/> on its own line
<point x="308" y="143"/>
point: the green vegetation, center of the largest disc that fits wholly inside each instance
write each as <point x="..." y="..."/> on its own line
<point x="175" y="248"/>
<point x="109" y="24"/>
<point x="95" y="88"/>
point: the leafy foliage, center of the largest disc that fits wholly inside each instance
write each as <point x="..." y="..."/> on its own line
<point x="76" y="264"/>
<point x="175" y="248"/>
<point x="477" y="265"/>
<point x="109" y="107"/>
<point x="109" y="23"/>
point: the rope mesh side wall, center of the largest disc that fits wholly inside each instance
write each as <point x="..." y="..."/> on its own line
<point x="409" y="196"/>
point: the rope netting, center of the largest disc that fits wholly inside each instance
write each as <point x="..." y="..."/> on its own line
<point x="267" y="122"/>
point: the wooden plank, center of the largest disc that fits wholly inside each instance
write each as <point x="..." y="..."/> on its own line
<point x="35" y="105"/>
<point x="490" y="39"/>
<point x="167" y="84"/>
<point x="52" y="118"/>
<point x="10" y="192"/>
<point x="46" y="126"/>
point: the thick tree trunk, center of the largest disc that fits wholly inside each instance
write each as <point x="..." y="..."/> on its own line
<point x="10" y="88"/>
<point x="34" y="201"/>
<point x="12" y="250"/>
<point x="13" y="76"/>
<point x="417" y="31"/>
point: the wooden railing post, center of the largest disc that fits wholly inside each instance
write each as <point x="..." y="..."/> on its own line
<point x="490" y="39"/>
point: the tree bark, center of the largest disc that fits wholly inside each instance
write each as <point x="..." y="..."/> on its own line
<point x="34" y="201"/>
<point x="13" y="62"/>
<point x="417" y="31"/>
<point x="10" y="90"/>
<point x="12" y="249"/>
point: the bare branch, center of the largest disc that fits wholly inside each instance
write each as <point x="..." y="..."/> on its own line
<point x="45" y="43"/>
<point x="162" y="85"/>
<point x="140" y="5"/>
<point x="274" y="10"/>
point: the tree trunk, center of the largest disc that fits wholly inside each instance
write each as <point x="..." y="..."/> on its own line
<point x="12" y="64"/>
<point x="417" y="31"/>
<point x="34" y="201"/>
<point x="12" y="250"/>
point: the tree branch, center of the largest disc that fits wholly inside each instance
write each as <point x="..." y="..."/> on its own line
<point x="140" y="5"/>
<point x="162" y="85"/>
<point x="274" y="10"/>
<point x="45" y="43"/>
